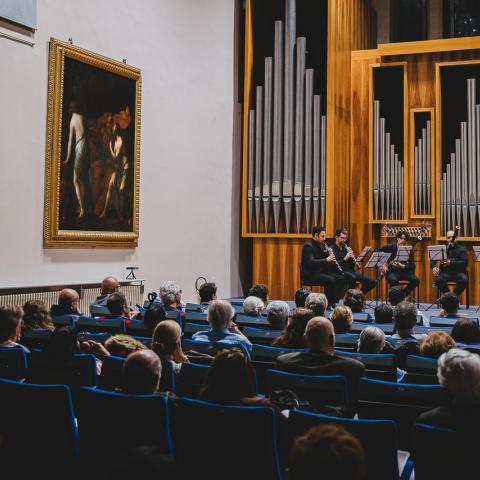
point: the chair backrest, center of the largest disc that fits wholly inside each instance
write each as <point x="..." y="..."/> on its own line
<point x="426" y="330"/>
<point x="362" y="317"/>
<point x="64" y="320"/>
<point x="320" y="390"/>
<point x="111" y="375"/>
<point x="387" y="328"/>
<point x="190" y="379"/>
<point x="175" y="315"/>
<point x="126" y="421"/>
<point x="96" y="337"/>
<point x="197" y="317"/>
<point x="79" y="371"/>
<point x="378" y="438"/>
<point x="190" y="328"/>
<point x="37" y="422"/>
<point x="250" y="448"/>
<point x="446" y="321"/>
<point x="348" y="340"/>
<point x="244" y="320"/>
<point x="13" y="363"/>
<point x="147" y="341"/>
<point x="380" y="365"/>
<point x="418" y="363"/>
<point x="195" y="307"/>
<point x="440" y="453"/>
<point x="238" y="308"/>
<point x="270" y="354"/>
<point x="137" y="327"/>
<point x="99" y="310"/>
<point x="36" y="337"/>
<point x="400" y="402"/>
<point x="97" y="325"/>
<point x="261" y="335"/>
<point x="210" y="348"/>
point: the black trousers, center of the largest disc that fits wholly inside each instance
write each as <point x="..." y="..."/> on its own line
<point x="442" y="278"/>
<point x="334" y="285"/>
<point x="353" y="277"/>
<point x="394" y="277"/>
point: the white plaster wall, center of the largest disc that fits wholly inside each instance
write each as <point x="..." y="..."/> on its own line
<point x="185" y="49"/>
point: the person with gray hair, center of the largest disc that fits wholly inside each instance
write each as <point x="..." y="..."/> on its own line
<point x="277" y="314"/>
<point x="253" y="306"/>
<point x="459" y="374"/>
<point x="222" y="328"/>
<point x="171" y="296"/>
<point x="317" y="302"/>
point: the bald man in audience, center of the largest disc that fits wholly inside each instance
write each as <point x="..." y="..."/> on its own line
<point x="142" y="372"/>
<point x="68" y="303"/>
<point x="109" y="285"/>
<point x="320" y="357"/>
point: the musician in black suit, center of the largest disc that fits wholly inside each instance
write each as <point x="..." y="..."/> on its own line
<point x="345" y="258"/>
<point x="319" y="267"/>
<point x="453" y="268"/>
<point x="395" y="270"/>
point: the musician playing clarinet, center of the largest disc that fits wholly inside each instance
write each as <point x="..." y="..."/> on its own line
<point x="320" y="267"/>
<point x="396" y="271"/>
<point x="453" y="268"/>
<point x="346" y="259"/>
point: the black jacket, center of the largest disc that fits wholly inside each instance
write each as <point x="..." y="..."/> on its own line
<point x="392" y="248"/>
<point x="458" y="256"/>
<point x="340" y="253"/>
<point x="314" y="259"/>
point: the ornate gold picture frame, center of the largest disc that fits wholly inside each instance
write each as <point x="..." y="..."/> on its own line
<point x="92" y="158"/>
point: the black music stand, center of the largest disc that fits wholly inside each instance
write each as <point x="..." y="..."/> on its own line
<point x="436" y="253"/>
<point x="362" y="256"/>
<point x="377" y="260"/>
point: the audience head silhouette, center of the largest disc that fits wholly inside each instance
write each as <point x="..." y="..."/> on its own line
<point x="142" y="371"/>
<point x="220" y="313"/>
<point x="301" y="296"/>
<point x="277" y="314"/>
<point x="253" y="305"/>
<point x="355" y="299"/>
<point x="341" y="319"/>
<point x="109" y="285"/>
<point x="207" y="292"/>
<point x="117" y="304"/>
<point x="383" y="313"/>
<point x="396" y="295"/>
<point x="153" y="316"/>
<point x="449" y="303"/>
<point x="10" y="323"/>
<point x="259" y="290"/>
<point x="166" y="338"/>
<point x="317" y="302"/>
<point x="69" y="299"/>
<point x="466" y="330"/>
<point x="319" y="335"/>
<point x="371" y="340"/>
<point x="405" y="318"/>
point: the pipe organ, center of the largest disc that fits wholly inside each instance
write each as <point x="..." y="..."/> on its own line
<point x="286" y="134"/>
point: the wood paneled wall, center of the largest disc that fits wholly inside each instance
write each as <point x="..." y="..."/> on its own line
<point x="421" y="94"/>
<point x="351" y="26"/>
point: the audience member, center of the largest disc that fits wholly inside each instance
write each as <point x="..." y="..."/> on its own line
<point x="294" y="334"/>
<point x="153" y="316"/>
<point x="109" y="285"/>
<point x="342" y="319"/>
<point x="384" y="313"/>
<point x="123" y="345"/>
<point x="300" y="296"/>
<point x="329" y="449"/>
<point x="253" y="306"/>
<point x="277" y="314"/>
<point x="207" y="293"/>
<point x="317" y="302"/>
<point x="142" y="372"/>
<point x="68" y="303"/>
<point x="145" y="462"/>
<point x="449" y="304"/>
<point x="355" y="299"/>
<point x="230" y="380"/>
<point x="167" y="343"/>
<point x="436" y="344"/>
<point x="118" y="305"/>
<point x="222" y="328"/>
<point x="261" y="291"/>
<point x="11" y="327"/>
<point x="459" y="374"/>
<point x="405" y="319"/>
<point x="466" y="331"/>
<point x="171" y="296"/>
<point x="396" y="295"/>
<point x="320" y="358"/>
<point x="371" y="340"/>
<point x="36" y="316"/>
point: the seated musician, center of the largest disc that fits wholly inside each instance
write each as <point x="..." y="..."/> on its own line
<point x="345" y="258"/>
<point x="319" y="267"/>
<point x="395" y="270"/>
<point x="453" y="268"/>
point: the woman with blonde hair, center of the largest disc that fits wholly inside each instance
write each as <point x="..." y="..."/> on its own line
<point x="166" y="343"/>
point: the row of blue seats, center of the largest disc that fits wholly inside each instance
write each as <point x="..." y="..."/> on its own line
<point x="196" y="434"/>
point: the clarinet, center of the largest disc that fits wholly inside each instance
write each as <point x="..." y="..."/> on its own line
<point x="330" y="251"/>
<point x="452" y="241"/>
<point x="354" y="258"/>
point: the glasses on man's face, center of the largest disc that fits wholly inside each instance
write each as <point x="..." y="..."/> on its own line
<point x="449" y="238"/>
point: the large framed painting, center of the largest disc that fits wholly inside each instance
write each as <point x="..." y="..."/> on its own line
<point x="92" y="150"/>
